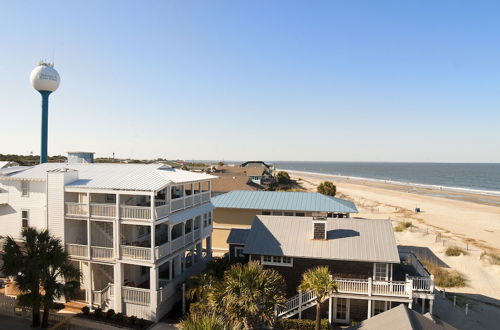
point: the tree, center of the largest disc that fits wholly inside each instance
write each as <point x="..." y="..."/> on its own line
<point x="221" y="163"/>
<point x="39" y="265"/>
<point x="22" y="261"/>
<point x="321" y="282"/>
<point x="283" y="177"/>
<point x="59" y="277"/>
<point x="247" y="295"/>
<point x="327" y="188"/>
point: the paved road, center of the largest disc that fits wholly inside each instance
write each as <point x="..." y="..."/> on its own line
<point x="14" y="323"/>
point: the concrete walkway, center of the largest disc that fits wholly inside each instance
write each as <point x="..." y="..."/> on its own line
<point x="14" y="323"/>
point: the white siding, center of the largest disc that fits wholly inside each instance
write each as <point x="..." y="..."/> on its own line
<point x="55" y="203"/>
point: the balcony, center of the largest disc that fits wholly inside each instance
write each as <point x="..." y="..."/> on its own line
<point x="76" y="209"/>
<point x="77" y="250"/>
<point x="136" y="296"/>
<point x="135" y="252"/>
<point x="101" y="253"/>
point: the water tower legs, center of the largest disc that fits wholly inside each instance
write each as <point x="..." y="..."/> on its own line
<point x="45" y="124"/>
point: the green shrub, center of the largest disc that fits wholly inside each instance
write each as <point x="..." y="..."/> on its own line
<point x="327" y="188"/>
<point x="492" y="258"/>
<point x="402" y="226"/>
<point x="110" y="314"/>
<point x="85" y="310"/>
<point x="118" y="317"/>
<point x="98" y="313"/>
<point x="445" y="278"/>
<point x="297" y="324"/>
<point x="132" y="319"/>
<point x="203" y="322"/>
<point x="142" y="323"/>
<point x="454" y="251"/>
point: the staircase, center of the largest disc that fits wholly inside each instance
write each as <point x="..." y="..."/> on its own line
<point x="297" y="304"/>
<point x="104" y="234"/>
<point x="106" y="271"/>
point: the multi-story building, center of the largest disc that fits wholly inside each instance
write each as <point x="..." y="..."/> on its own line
<point x="371" y="273"/>
<point x="237" y="209"/>
<point x="136" y="231"/>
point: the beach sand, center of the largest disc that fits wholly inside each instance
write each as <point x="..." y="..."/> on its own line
<point x="465" y="220"/>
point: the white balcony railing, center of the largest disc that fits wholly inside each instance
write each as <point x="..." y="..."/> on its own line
<point x="136" y="295"/>
<point x="77" y="250"/>
<point x="103" y="210"/>
<point x="188" y="201"/>
<point x="188" y="238"/>
<point x="197" y="199"/>
<point x="176" y="204"/>
<point x="205" y="196"/>
<point x="100" y="297"/>
<point x="161" y="211"/>
<point x="135" y="252"/>
<point x="177" y="243"/>
<point x="162" y="250"/>
<point x="99" y="252"/>
<point x="135" y="212"/>
<point x="425" y="284"/>
<point x="75" y="209"/>
<point x="197" y="233"/>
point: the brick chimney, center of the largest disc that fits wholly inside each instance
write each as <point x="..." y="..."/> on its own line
<point x="319" y="228"/>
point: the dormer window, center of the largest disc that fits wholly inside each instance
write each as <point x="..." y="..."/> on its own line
<point x="25" y="188"/>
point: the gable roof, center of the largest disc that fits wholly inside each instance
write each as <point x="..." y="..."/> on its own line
<point x="347" y="239"/>
<point x="283" y="201"/>
<point x="143" y="177"/>
<point x="238" y="236"/>
<point x="226" y="183"/>
<point x="402" y="318"/>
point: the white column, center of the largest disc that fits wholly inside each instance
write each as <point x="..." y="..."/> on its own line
<point x="116" y="228"/>
<point x="330" y="310"/>
<point x="369" y="308"/>
<point x="431" y="303"/>
<point x="300" y="304"/>
<point x="118" y="281"/>
<point x="89" y="284"/>
<point x="153" y="286"/>
<point x="423" y="305"/>
<point x="170" y="274"/>
<point x="153" y="231"/>
<point x="209" y="246"/>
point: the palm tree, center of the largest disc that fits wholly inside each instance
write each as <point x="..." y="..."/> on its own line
<point x="321" y="282"/>
<point x="247" y="295"/>
<point x="22" y="262"/>
<point x="59" y="277"/>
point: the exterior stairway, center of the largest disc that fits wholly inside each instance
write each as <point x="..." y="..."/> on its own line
<point x="296" y="304"/>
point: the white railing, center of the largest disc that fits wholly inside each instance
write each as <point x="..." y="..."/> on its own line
<point x="390" y="288"/>
<point x="197" y="233"/>
<point x="352" y="285"/>
<point x="205" y="196"/>
<point x="78" y="209"/>
<point x="177" y="243"/>
<point x="188" y="238"/>
<point x="422" y="283"/>
<point x="135" y="212"/>
<point x="135" y="252"/>
<point x="99" y="252"/>
<point x="163" y="282"/>
<point x="162" y="250"/>
<point x="102" y="296"/>
<point x="176" y="204"/>
<point x="77" y="250"/>
<point x="136" y="295"/>
<point x="161" y="211"/>
<point x="207" y="231"/>
<point x="197" y="199"/>
<point x="103" y="210"/>
<point x="188" y="201"/>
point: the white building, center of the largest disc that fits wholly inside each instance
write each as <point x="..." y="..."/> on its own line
<point x="136" y="231"/>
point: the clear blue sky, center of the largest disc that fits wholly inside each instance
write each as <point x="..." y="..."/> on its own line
<point x="274" y="80"/>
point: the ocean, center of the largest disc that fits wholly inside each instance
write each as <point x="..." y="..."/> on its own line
<point x="474" y="177"/>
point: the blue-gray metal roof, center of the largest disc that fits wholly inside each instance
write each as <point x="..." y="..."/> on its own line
<point x="283" y="201"/>
<point x="237" y="236"/>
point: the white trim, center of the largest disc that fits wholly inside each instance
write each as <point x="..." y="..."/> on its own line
<point x="276" y="263"/>
<point x="348" y="310"/>
<point x="238" y="248"/>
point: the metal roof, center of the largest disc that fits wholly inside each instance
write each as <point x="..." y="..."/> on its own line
<point x="347" y="239"/>
<point x="283" y="201"/>
<point x="401" y="318"/>
<point x="144" y="177"/>
<point x="237" y="236"/>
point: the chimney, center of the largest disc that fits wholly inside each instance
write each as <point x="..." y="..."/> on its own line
<point x="319" y="228"/>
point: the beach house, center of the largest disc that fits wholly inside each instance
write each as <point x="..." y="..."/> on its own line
<point x="136" y="231"/>
<point x="362" y="255"/>
<point x="237" y="209"/>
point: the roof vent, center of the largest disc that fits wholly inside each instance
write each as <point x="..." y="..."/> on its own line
<point x="319" y="228"/>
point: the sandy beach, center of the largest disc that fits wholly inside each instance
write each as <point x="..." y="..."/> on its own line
<point x="462" y="219"/>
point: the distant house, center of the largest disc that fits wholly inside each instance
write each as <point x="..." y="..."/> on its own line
<point x="5" y="164"/>
<point x="236" y="209"/>
<point x="227" y="182"/>
<point x="256" y="163"/>
<point x="257" y="174"/>
<point x="401" y="317"/>
<point x="372" y="275"/>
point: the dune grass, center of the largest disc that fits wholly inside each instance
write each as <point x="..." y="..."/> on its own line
<point x="445" y="278"/>
<point x="454" y="251"/>
<point x="492" y="258"/>
<point x="402" y="226"/>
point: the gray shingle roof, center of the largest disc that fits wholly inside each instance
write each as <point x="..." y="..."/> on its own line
<point x="283" y="201"/>
<point x="237" y="236"/>
<point x="347" y="239"/>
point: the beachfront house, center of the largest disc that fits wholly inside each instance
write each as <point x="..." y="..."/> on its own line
<point x="136" y="231"/>
<point x="362" y="255"/>
<point x="237" y="209"/>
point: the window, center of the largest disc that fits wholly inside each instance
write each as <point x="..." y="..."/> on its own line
<point x="277" y="213"/>
<point x="300" y="214"/>
<point x="289" y="214"/>
<point x="277" y="261"/>
<point x="25" y="188"/>
<point x="238" y="252"/>
<point x="25" y="218"/>
<point x="380" y="272"/>
<point x="209" y="218"/>
<point x="266" y="212"/>
<point x="341" y="314"/>
<point x="110" y="198"/>
<point x="379" y="307"/>
<point x="205" y="219"/>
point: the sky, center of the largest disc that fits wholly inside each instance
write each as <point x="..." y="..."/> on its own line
<point x="273" y="80"/>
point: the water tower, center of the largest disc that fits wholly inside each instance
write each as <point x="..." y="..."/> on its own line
<point x="44" y="79"/>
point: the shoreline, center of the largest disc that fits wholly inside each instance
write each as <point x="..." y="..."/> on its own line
<point x="482" y="197"/>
